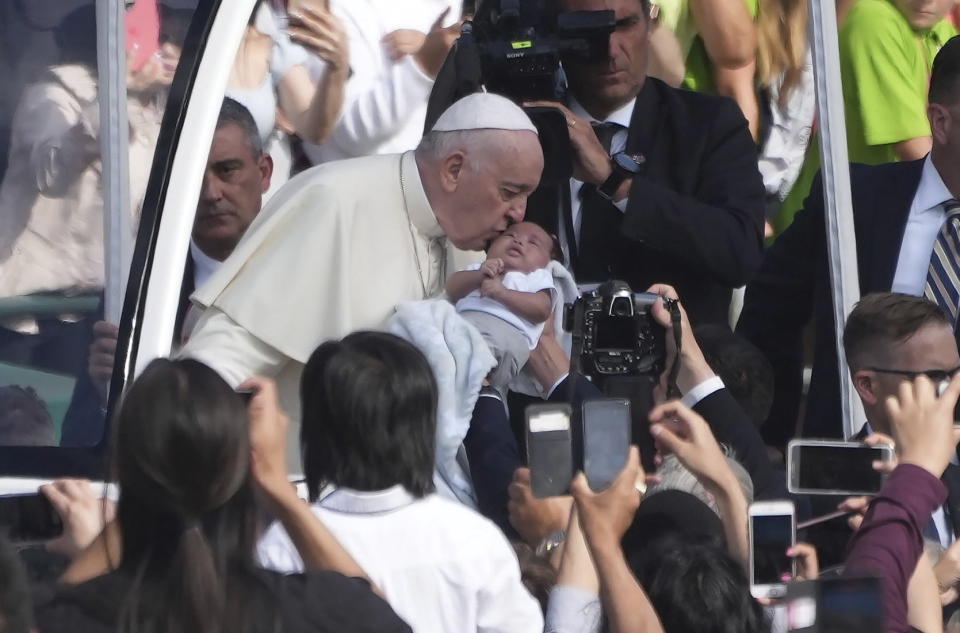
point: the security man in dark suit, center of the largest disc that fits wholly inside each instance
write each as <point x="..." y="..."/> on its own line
<point x="907" y="226"/>
<point x="665" y="185"/>
<point x="237" y="175"/>
<point x="890" y="338"/>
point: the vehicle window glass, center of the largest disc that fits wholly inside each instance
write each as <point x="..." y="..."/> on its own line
<point x="55" y="358"/>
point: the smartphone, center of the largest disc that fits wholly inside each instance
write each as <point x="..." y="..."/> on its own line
<point x="549" y="449"/>
<point x="836" y="604"/>
<point x="834" y="468"/>
<point x="772" y="531"/>
<point x="606" y="440"/>
<point x="29" y="518"/>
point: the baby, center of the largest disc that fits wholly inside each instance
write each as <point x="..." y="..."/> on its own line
<point x="508" y="297"/>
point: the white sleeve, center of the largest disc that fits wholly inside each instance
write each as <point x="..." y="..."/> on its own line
<point x="380" y="110"/>
<point x="709" y="386"/>
<point x="504" y="604"/>
<point x="276" y="552"/>
<point x="235" y="354"/>
<point x="541" y="279"/>
<point x="572" y="610"/>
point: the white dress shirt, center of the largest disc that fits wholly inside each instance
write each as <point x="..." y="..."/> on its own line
<point x="441" y="566"/>
<point x="203" y="265"/>
<point x="923" y="224"/>
<point x="385" y="101"/>
<point x="617" y="144"/>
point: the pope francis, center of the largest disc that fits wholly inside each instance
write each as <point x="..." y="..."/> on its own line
<point x="340" y="245"/>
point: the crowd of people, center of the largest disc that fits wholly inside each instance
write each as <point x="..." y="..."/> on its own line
<point x="373" y="296"/>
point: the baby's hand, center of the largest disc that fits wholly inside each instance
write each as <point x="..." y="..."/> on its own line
<point x="493" y="267"/>
<point x="491" y="287"/>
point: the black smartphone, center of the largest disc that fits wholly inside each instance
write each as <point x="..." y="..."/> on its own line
<point x="29" y="518"/>
<point x="837" y="604"/>
<point x="549" y="449"/>
<point x="835" y="468"/>
<point x="606" y="440"/>
<point x="772" y="532"/>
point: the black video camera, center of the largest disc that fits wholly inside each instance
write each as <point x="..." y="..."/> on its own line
<point x="614" y="333"/>
<point x="521" y="44"/>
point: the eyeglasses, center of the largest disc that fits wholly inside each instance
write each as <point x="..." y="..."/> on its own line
<point x="935" y="375"/>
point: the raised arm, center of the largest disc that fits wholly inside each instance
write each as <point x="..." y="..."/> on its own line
<point x="680" y="431"/>
<point x="605" y="518"/>
<point x="532" y="306"/>
<point x="316" y="545"/>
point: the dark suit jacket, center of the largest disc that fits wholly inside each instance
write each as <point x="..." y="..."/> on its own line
<point x="694" y="219"/>
<point x="793" y="287"/>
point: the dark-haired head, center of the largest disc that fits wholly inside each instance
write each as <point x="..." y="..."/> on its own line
<point x="697" y="587"/>
<point x="744" y="369"/>
<point x="186" y="509"/>
<point x="76" y="37"/>
<point x="368" y="415"/>
<point x="945" y="74"/>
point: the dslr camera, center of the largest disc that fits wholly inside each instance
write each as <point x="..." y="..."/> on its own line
<point x="615" y="334"/>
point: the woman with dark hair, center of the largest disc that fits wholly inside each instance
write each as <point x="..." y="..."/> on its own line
<point x="188" y="463"/>
<point x="368" y="434"/>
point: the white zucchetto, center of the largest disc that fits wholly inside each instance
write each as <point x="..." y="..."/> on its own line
<point x="484" y="111"/>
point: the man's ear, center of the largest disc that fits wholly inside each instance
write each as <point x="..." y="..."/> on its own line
<point x="940" y="121"/>
<point x="865" y="382"/>
<point x="265" y="165"/>
<point x="451" y="169"/>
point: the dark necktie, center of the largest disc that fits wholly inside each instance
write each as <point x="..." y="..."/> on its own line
<point x="943" y="276"/>
<point x="599" y="221"/>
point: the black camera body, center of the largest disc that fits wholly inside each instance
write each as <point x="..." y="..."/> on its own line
<point x="521" y="44"/>
<point x="615" y="334"/>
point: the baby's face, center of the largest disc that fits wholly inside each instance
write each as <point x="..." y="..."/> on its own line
<point x="523" y="247"/>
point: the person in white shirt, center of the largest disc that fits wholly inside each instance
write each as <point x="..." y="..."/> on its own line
<point x="396" y="51"/>
<point x="508" y="297"/>
<point x="368" y="435"/>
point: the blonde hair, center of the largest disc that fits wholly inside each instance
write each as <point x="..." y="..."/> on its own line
<point x="781" y="43"/>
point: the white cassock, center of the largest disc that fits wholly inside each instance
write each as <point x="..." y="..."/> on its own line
<point x="334" y="251"/>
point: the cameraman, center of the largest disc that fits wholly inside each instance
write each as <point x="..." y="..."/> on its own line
<point x="682" y="203"/>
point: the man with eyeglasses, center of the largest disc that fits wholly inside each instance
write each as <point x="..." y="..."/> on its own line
<point x="890" y="338"/>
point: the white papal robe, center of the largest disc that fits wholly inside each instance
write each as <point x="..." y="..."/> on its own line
<point x="334" y="251"/>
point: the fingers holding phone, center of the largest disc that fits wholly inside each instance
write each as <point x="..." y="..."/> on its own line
<point x="605" y="516"/>
<point x="82" y="513"/>
<point x="922" y="422"/>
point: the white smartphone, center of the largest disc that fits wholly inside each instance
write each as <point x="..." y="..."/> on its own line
<point x="773" y="529"/>
<point x="834" y="468"/>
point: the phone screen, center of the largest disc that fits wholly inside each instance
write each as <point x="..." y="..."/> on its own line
<point x="606" y="440"/>
<point x="549" y="451"/>
<point x="847" y="468"/>
<point x="849" y="604"/>
<point x="772" y="535"/>
<point x="29" y="518"/>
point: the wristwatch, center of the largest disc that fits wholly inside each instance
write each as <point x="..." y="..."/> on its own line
<point x="551" y="542"/>
<point x="624" y="166"/>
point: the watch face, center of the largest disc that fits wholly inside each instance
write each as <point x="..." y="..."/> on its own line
<point x="628" y="163"/>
